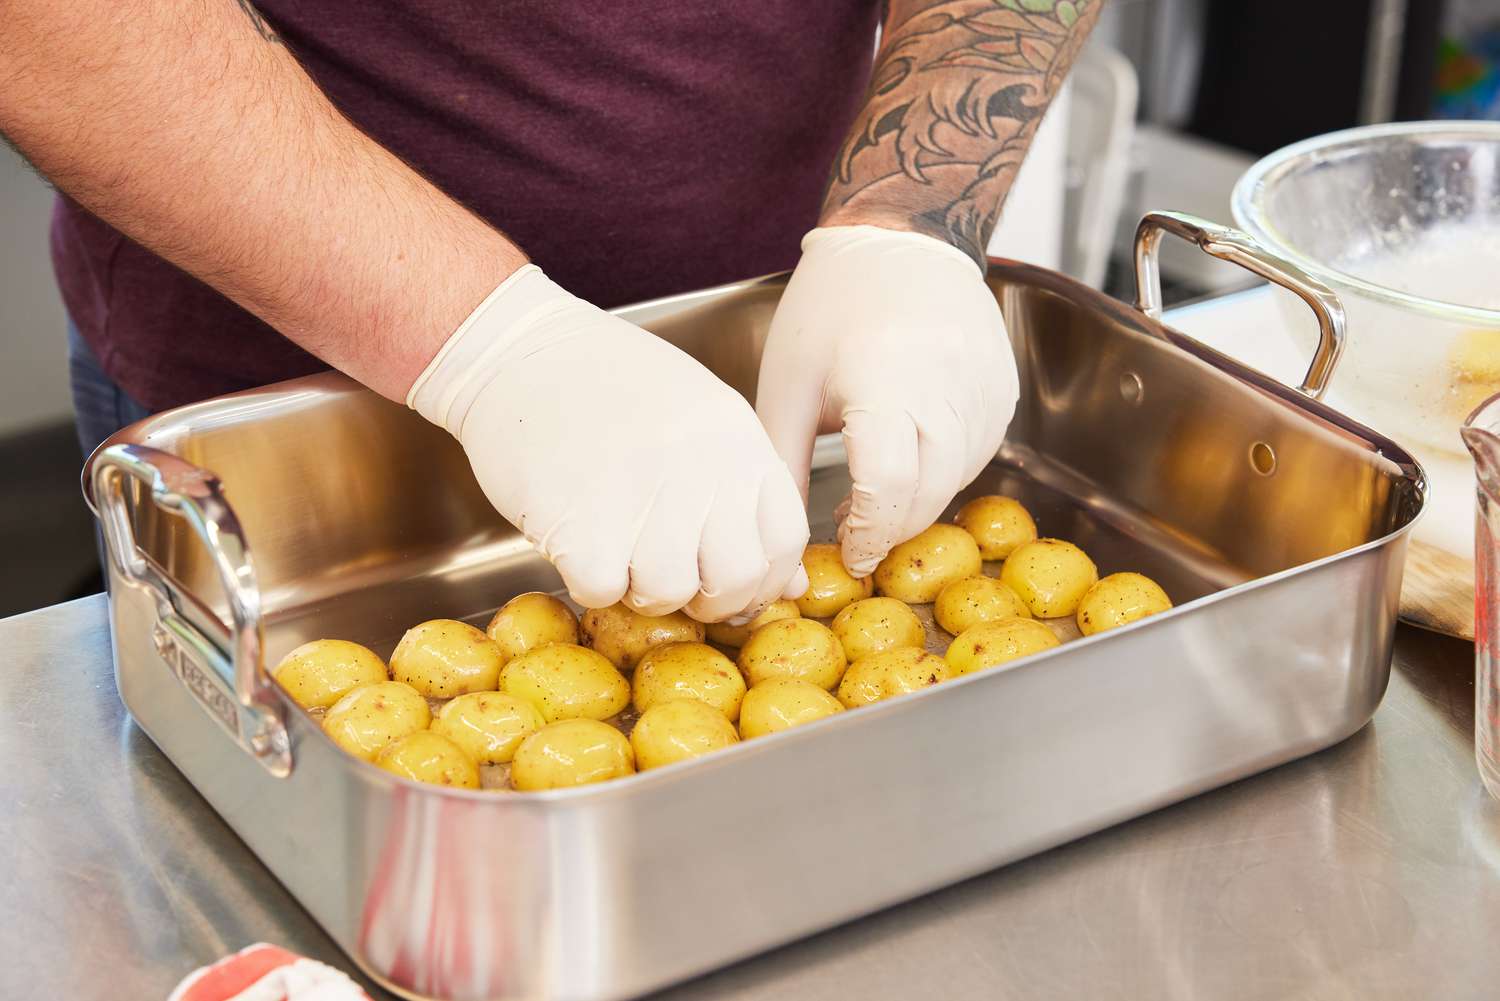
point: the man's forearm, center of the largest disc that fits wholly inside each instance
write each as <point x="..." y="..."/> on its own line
<point x="958" y="92"/>
<point x="191" y="129"/>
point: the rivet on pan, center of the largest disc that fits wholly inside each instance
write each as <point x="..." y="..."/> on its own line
<point x="1262" y="458"/>
<point x="1131" y="390"/>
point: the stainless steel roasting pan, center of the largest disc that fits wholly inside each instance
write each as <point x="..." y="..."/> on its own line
<point x="240" y="527"/>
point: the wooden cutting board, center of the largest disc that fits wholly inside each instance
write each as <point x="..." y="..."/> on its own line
<point x="1438" y="591"/>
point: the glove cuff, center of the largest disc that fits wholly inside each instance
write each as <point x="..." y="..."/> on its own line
<point x="867" y="239"/>
<point x="471" y="357"/>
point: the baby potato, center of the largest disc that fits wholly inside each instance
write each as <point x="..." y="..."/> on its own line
<point x="1118" y="599"/>
<point x="724" y="634"/>
<point x="829" y="587"/>
<point x="528" y="621"/>
<point x="998" y="524"/>
<point x="781" y="703"/>
<point x="1465" y="397"/>
<point x="871" y="625"/>
<point x="916" y="570"/>
<point x="566" y="681"/>
<point x="793" y="648"/>
<point x="573" y="752"/>
<point x="442" y="658"/>
<point x="1050" y="575"/>
<point x="319" y="673"/>
<point x="891" y="673"/>
<point x="371" y="716"/>
<point x="624" y="635"/>
<point x="1475" y="355"/>
<point x="678" y="730"/>
<point x="973" y="600"/>
<point x="991" y="643"/>
<point x="488" y="726"/>
<point x="688" y="671"/>
<point x="425" y="756"/>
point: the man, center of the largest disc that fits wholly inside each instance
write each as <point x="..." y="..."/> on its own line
<point x="225" y="225"/>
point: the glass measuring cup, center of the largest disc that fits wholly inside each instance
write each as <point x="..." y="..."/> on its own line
<point x="1481" y="433"/>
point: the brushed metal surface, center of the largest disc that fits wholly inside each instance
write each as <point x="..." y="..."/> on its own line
<point x="1235" y="247"/>
<point x="236" y="690"/>
<point x="362" y="521"/>
<point x="1370" y="870"/>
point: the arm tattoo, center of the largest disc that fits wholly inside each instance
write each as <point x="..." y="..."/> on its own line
<point x="958" y="91"/>
<point x="262" y="29"/>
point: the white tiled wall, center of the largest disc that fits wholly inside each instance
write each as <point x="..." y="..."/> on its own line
<point x="33" y="345"/>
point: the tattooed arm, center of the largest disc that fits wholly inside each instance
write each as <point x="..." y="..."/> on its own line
<point x="958" y="92"/>
<point x="887" y="331"/>
<point x="189" y="127"/>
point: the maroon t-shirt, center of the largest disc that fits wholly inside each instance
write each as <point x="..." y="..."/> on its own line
<point x="633" y="148"/>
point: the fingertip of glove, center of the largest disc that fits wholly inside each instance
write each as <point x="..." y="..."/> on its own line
<point x="798" y="585"/>
<point x="650" y="605"/>
<point x="594" y="593"/>
<point x="859" y="559"/>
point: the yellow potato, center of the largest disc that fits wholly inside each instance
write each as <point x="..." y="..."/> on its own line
<point x="530" y="620"/>
<point x="781" y="703"/>
<point x="1475" y="360"/>
<point x="624" y="635"/>
<point x="442" y="658"/>
<point x="371" y="716"/>
<point x="1465" y="397"/>
<point x="1050" y="575"/>
<point x="1118" y="599"/>
<point x="793" y="648"/>
<point x="1476" y="356"/>
<point x="678" y="730"/>
<point x="829" y="587"/>
<point x="998" y="524"/>
<point x="875" y="624"/>
<point x="488" y="726"/>
<point x="566" y="681"/>
<point x="916" y="570"/>
<point x="991" y="643"/>
<point x="724" y="634"/>
<point x="574" y="752"/>
<point x="891" y="673"/>
<point x="973" y="600"/>
<point x="688" y="671"/>
<point x="425" y="756"/>
<point x="318" y="674"/>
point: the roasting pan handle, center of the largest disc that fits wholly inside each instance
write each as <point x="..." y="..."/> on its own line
<point x="237" y="693"/>
<point x="1237" y="248"/>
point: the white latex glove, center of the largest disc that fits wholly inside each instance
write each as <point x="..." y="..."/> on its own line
<point x="894" y="338"/>
<point x="630" y="466"/>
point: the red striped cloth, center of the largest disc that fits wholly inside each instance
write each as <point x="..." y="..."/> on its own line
<point x="267" y="973"/>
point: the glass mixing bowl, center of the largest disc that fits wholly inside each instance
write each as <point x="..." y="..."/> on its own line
<point x="1403" y="222"/>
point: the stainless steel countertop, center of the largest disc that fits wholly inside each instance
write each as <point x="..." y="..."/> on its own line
<point x="1370" y="870"/>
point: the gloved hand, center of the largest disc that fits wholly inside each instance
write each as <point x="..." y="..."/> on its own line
<point x="894" y="338"/>
<point x="625" y="462"/>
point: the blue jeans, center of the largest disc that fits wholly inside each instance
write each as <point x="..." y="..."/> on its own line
<point x="100" y="408"/>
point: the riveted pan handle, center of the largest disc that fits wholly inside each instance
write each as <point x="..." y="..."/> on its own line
<point x="236" y="692"/>
<point x="1236" y="247"/>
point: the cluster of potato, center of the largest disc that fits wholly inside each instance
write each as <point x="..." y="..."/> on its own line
<point x="544" y="697"/>
<point x="1474" y="361"/>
